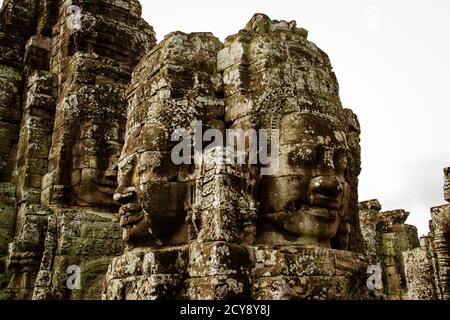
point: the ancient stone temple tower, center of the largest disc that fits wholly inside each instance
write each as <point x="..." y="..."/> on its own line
<point x="214" y="230"/>
<point x="64" y="69"/>
<point x="411" y="268"/>
<point x="95" y="202"/>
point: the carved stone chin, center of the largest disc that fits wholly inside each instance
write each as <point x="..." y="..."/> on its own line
<point x="152" y="213"/>
<point x="305" y="228"/>
<point x="141" y="231"/>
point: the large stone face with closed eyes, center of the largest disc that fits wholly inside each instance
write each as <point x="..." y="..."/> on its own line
<point x="304" y="203"/>
<point x="235" y="220"/>
<point x="275" y="78"/>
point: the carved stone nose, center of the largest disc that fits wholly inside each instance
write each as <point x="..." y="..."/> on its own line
<point x="326" y="185"/>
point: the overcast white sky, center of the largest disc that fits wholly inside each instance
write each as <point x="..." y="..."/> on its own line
<point x="392" y="60"/>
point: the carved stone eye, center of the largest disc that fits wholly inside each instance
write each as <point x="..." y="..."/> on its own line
<point x="302" y="155"/>
<point x="341" y="160"/>
<point x="126" y="168"/>
<point x="126" y="165"/>
<point x="325" y="155"/>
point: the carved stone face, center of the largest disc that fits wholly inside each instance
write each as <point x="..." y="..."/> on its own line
<point x="94" y="175"/>
<point x="152" y="197"/>
<point x="304" y="203"/>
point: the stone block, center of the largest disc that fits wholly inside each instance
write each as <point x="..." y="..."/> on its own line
<point x="419" y="275"/>
<point x="148" y="262"/>
<point x="236" y="79"/>
<point x="148" y="287"/>
<point x="238" y="106"/>
<point x="230" y="56"/>
<point x="6" y="237"/>
<point x="219" y="259"/>
<point x="7" y="218"/>
<point x="303" y="288"/>
<point x="218" y="287"/>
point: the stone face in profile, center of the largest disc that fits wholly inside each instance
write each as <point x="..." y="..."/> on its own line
<point x="174" y="85"/>
<point x="152" y="199"/>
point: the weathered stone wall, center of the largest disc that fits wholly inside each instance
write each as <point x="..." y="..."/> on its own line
<point x="32" y="154"/>
<point x="72" y="117"/>
<point x="420" y="273"/>
<point x="410" y="270"/>
<point x="396" y="237"/>
<point x="351" y="231"/>
<point x="93" y="66"/>
<point x="20" y="119"/>
<point x="368" y="215"/>
<point x="389" y="242"/>
<point x="17" y="19"/>
<point x="85" y="238"/>
<point x="441" y="240"/>
<point x="8" y="211"/>
<point x="428" y="268"/>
